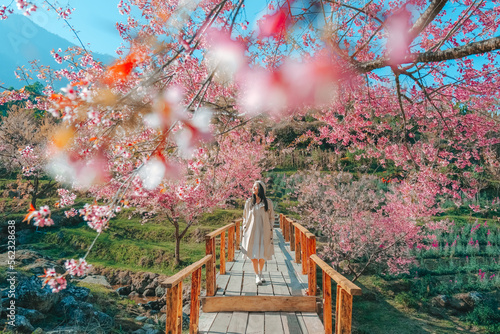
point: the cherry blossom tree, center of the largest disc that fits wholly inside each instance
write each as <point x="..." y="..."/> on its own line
<point x="24" y="138"/>
<point x="364" y="224"/>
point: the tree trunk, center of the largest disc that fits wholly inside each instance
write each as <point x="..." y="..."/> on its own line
<point x="34" y="195"/>
<point x="177" y="246"/>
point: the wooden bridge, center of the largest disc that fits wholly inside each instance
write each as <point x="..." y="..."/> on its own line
<point x="286" y="302"/>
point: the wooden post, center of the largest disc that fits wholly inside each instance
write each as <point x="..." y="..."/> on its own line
<point x="230" y="244"/>
<point x="327" y="303"/>
<point x="345" y="312"/>
<point x="237" y="234"/>
<point x="223" y="253"/>
<point x="281" y="222"/>
<point x="179" y="308"/>
<point x="210" y="267"/>
<point x="303" y="247"/>
<point x="297" y="245"/>
<point x="292" y="237"/>
<point x="194" y="315"/>
<point x="286" y="224"/>
<point x="337" y="309"/>
<point x="172" y="309"/>
<point x="311" y="249"/>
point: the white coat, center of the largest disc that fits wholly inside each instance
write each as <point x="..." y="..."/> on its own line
<point x="257" y="236"/>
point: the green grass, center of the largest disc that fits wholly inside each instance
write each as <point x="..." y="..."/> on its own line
<point x="380" y="311"/>
<point x="128" y="244"/>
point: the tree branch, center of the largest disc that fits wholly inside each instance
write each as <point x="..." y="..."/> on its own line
<point x="427" y="17"/>
<point x="470" y="49"/>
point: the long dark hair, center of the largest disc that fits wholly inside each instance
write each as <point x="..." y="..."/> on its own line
<point x="262" y="196"/>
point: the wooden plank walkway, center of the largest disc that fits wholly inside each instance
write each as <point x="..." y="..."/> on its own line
<point x="283" y="278"/>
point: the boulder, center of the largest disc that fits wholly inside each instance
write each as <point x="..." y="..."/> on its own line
<point x="97" y="279"/>
<point x="32" y="315"/>
<point x="476" y="297"/>
<point x="441" y="301"/>
<point x="141" y="318"/>
<point x="124" y="290"/>
<point x="153" y="305"/>
<point x="80" y="293"/>
<point x="160" y="291"/>
<point x="66" y="305"/>
<point x="149" y="293"/>
<point x="23" y="325"/>
<point x="30" y="294"/>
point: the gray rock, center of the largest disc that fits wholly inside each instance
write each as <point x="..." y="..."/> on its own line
<point x="163" y="318"/>
<point x="23" y="325"/>
<point x="186" y="309"/>
<point x="77" y="317"/>
<point x="133" y="294"/>
<point x="66" y="305"/>
<point x="185" y="321"/>
<point x="105" y="321"/>
<point x="152" y="331"/>
<point x="149" y="293"/>
<point x="160" y="291"/>
<point x="97" y="279"/>
<point x="30" y="295"/>
<point x="32" y="315"/>
<point x="80" y="293"/>
<point x="124" y="290"/>
<point x="476" y="297"/>
<point x="153" y="305"/>
<point x="139" y="331"/>
<point x="140" y="318"/>
<point x="441" y="301"/>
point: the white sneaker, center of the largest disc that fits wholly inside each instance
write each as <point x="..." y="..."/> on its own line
<point x="258" y="280"/>
<point x="262" y="278"/>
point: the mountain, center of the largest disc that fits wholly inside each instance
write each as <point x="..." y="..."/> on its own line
<point x="21" y="41"/>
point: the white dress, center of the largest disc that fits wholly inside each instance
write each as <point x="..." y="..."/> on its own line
<point x="257" y="236"/>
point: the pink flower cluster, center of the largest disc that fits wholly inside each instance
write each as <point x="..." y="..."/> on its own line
<point x="76" y="268"/>
<point x="56" y="56"/>
<point x="67" y="198"/>
<point x="27" y="151"/>
<point x="55" y="281"/>
<point x="3" y="10"/>
<point x="41" y="217"/>
<point x="70" y="213"/>
<point x="481" y="274"/>
<point x="96" y="216"/>
<point x="27" y="6"/>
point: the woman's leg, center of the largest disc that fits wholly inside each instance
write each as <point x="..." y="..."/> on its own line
<point x="261" y="266"/>
<point x="255" y="263"/>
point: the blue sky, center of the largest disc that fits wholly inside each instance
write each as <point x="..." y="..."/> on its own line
<point x="95" y="20"/>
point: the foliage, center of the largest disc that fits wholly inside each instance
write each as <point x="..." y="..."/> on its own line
<point x="364" y="225"/>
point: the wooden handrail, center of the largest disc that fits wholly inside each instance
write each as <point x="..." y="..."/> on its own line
<point x="304" y="244"/>
<point x="173" y="280"/>
<point x="346" y="284"/>
<point x="219" y="231"/>
<point x="210" y="248"/>
<point x="174" y="297"/>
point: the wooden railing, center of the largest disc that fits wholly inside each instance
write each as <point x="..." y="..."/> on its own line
<point x="174" y="283"/>
<point x="304" y="244"/>
<point x="233" y="243"/>
<point x="174" y="297"/>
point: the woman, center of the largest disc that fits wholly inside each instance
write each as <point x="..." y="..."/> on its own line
<point x="257" y="239"/>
